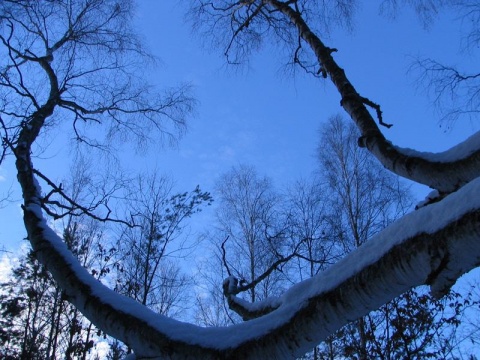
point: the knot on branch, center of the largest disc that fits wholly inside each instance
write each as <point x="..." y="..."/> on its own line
<point x="331" y="50"/>
<point x="323" y="71"/>
<point x="366" y="138"/>
<point x="362" y="141"/>
<point x="230" y="286"/>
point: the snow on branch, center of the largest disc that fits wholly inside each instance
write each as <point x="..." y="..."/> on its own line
<point x="434" y="245"/>
<point x="461" y="151"/>
<point x="428" y="232"/>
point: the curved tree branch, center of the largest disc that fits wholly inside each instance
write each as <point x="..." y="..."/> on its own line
<point x="434" y="245"/>
<point x="444" y="174"/>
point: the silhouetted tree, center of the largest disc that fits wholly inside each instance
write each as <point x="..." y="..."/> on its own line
<point x="149" y="273"/>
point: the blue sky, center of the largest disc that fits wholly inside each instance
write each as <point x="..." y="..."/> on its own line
<point x="264" y="117"/>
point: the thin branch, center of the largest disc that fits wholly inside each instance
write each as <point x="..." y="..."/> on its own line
<point x="375" y="106"/>
<point x="73" y="205"/>
<point x="224" y="256"/>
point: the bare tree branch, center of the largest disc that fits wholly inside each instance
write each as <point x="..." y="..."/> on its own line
<point x="455" y="94"/>
<point x="74" y="208"/>
<point x="445" y="175"/>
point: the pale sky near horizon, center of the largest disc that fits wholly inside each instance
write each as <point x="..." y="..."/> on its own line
<point x="268" y="119"/>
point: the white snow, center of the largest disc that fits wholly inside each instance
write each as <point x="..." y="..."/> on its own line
<point x="428" y="199"/>
<point x="458" y="152"/>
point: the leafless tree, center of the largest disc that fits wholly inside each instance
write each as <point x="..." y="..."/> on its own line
<point x="52" y="327"/>
<point x="149" y="273"/>
<point x="78" y="63"/>
<point x="434" y="245"/>
<point x="308" y="227"/>
<point x="363" y="199"/>
<point x="248" y="243"/>
<point x="248" y="214"/>
<point x="277" y="16"/>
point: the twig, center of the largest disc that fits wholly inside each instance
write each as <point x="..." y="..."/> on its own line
<point x="73" y="204"/>
<point x="224" y="256"/>
<point x="375" y="106"/>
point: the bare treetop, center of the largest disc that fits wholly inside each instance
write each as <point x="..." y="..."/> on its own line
<point x="83" y="61"/>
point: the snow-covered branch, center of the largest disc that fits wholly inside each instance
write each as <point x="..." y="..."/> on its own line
<point x="434" y="245"/>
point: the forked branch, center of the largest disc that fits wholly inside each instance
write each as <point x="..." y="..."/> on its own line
<point x="72" y="207"/>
